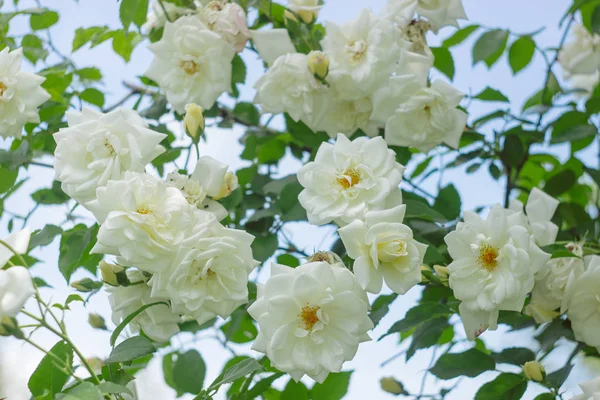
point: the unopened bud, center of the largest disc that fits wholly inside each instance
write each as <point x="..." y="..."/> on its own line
<point x="534" y="371"/>
<point x="326" y="256"/>
<point x="86" y="285"/>
<point x="110" y="273"/>
<point x="96" y="321"/>
<point x="230" y="183"/>
<point x="307" y="16"/>
<point x="10" y="327"/>
<point x="193" y="121"/>
<point x="318" y="64"/>
<point x="426" y="273"/>
<point x="442" y="272"/>
<point x="289" y="16"/>
<point x="392" y="386"/>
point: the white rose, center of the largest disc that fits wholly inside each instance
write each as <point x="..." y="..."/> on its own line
<point x="192" y="64"/>
<point x="19" y="241"/>
<point x="157" y="18"/>
<point x="142" y="221"/>
<point x="288" y="86"/>
<point x="384" y="249"/>
<point x="551" y="282"/>
<point x="581" y="301"/>
<point x="439" y="13"/>
<point x="20" y="94"/>
<point x="16" y="287"/>
<point x="591" y="390"/>
<point x="428" y="118"/>
<point x="346" y="116"/>
<point x="228" y="20"/>
<point x="540" y="209"/>
<point x="581" y="55"/>
<point x="97" y="147"/>
<point x="158" y="321"/>
<point x="347" y="179"/>
<point x="311" y="319"/>
<point x="209" y="276"/>
<point x="363" y="53"/>
<point x="493" y="268"/>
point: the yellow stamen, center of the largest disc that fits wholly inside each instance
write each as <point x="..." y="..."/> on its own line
<point x="309" y="317"/>
<point x="349" y="178"/>
<point x="143" y="211"/>
<point x="488" y="258"/>
<point x="2" y="88"/>
<point x="189" y="66"/>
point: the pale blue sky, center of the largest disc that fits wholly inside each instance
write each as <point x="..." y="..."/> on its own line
<point x="517" y="15"/>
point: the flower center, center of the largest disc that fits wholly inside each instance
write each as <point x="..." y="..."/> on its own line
<point x="2" y="88"/>
<point x="143" y="210"/>
<point x="215" y="6"/>
<point x="488" y="258"/>
<point x="349" y="178"/>
<point x="309" y="317"/>
<point x="390" y="251"/>
<point x="110" y="148"/>
<point x="356" y="49"/>
<point x="189" y="66"/>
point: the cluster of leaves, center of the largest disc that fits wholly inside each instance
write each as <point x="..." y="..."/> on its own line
<point x="513" y="147"/>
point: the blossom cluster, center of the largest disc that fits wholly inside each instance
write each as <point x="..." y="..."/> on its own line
<point x="193" y="59"/>
<point x="169" y="245"/>
<point x="369" y="74"/>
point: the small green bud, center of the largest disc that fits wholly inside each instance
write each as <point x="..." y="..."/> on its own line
<point x="534" y="371"/>
<point x="97" y="322"/>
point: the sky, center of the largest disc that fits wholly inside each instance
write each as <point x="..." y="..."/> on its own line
<point x="517" y="15"/>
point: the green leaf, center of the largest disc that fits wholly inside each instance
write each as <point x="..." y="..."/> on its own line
<point x="421" y="167"/>
<point x="419" y="210"/>
<point x="513" y="152"/>
<point x="504" y="387"/>
<point x="124" y="42"/>
<point x="470" y="363"/>
<point x="295" y="390"/>
<point x="381" y="306"/>
<point x="514" y="356"/>
<point x="75" y="246"/>
<point x="557" y="378"/>
<point x="443" y="61"/>
<point x="241" y="328"/>
<point x="334" y="387"/>
<point x="489" y="94"/>
<point x="89" y="74"/>
<point x="419" y="314"/>
<point x="47" y="376"/>
<point x="8" y="178"/>
<point x="560" y="183"/>
<point x="237" y="371"/>
<point x="448" y="202"/>
<point x="460" y="36"/>
<point x="43" y="21"/>
<point x="271" y="151"/>
<point x="542" y="99"/>
<point x="51" y="196"/>
<point x="130" y="349"/>
<point x="83" y="391"/>
<point x="595" y="23"/>
<point x="113" y="388"/>
<point x="33" y="48"/>
<point x="247" y="112"/>
<point x="263" y="247"/>
<point x="289" y="260"/>
<point x="94" y="35"/>
<point x="93" y="96"/>
<point x="114" y="336"/>
<point x="490" y="46"/>
<point x="133" y="11"/>
<point x="545" y="396"/>
<point x="44" y="237"/>
<point x="521" y="53"/>
<point x="189" y="372"/>
<point x="427" y="334"/>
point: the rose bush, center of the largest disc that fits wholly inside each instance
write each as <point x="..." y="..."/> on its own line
<point x="179" y="242"/>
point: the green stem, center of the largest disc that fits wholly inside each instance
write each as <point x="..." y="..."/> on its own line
<point x="62" y="365"/>
<point x="165" y="11"/>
